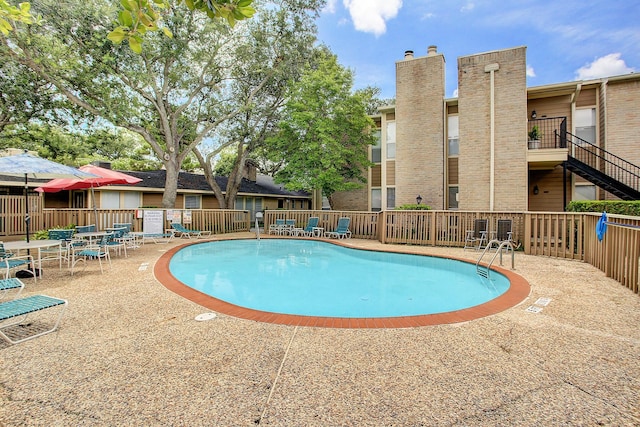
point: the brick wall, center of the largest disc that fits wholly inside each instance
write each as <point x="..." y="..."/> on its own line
<point x="474" y="91"/>
<point x="354" y="200"/>
<point x="420" y="130"/>
<point x="623" y="120"/>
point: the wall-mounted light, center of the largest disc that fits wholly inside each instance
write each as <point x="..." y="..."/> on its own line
<point x="534" y="114"/>
<point x="418" y="199"/>
<point x="536" y="190"/>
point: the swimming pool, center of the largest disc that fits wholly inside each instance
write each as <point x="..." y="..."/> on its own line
<point x="311" y="278"/>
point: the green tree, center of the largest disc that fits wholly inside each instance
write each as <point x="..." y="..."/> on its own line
<point x="176" y="93"/>
<point x="137" y="17"/>
<point x="326" y="131"/>
<point x="279" y="42"/>
<point x="25" y="97"/>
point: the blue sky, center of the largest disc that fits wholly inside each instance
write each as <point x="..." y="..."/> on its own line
<point x="566" y="40"/>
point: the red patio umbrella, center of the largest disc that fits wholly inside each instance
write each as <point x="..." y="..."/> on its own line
<point x="102" y="177"/>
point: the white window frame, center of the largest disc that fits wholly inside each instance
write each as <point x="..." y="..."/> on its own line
<point x="391" y="141"/>
<point x="196" y="197"/>
<point x="376" y="196"/>
<point x="377" y="147"/>
<point x="453" y="134"/>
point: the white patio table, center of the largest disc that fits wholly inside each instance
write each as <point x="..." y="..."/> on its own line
<point x="22" y="245"/>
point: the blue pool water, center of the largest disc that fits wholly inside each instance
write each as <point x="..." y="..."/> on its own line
<point x="314" y="278"/>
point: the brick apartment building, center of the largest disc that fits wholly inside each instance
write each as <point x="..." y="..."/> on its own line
<point x="500" y="146"/>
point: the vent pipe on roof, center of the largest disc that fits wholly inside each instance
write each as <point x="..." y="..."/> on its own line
<point x="408" y="54"/>
<point x="432" y="50"/>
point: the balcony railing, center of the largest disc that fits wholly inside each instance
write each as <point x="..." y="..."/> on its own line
<point x="551" y="131"/>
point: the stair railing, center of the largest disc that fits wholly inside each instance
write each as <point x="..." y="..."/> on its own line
<point x="611" y="165"/>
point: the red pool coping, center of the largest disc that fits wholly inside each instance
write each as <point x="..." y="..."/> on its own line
<point x="517" y="292"/>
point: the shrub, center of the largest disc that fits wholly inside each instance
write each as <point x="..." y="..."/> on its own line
<point x="44" y="234"/>
<point x="413" y="207"/>
<point x="616" y="207"/>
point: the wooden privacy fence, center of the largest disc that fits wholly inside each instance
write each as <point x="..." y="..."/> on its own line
<point x="441" y="228"/>
<point x="218" y="221"/>
<point x="363" y="225"/>
<point x="618" y="254"/>
<point x="12" y="210"/>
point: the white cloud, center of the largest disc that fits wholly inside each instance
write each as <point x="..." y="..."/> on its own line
<point x="608" y="65"/>
<point x="330" y="7"/>
<point x="467" y="7"/>
<point x="530" y="71"/>
<point x="371" y="16"/>
<point x="455" y="93"/>
<point x="428" y="15"/>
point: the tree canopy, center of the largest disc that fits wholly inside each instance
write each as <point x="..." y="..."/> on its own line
<point x="324" y="135"/>
<point x="178" y="91"/>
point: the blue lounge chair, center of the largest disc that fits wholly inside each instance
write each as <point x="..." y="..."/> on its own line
<point x="18" y="310"/>
<point x="9" y="285"/>
<point x="312" y="223"/>
<point x="342" y="231"/>
<point x="186" y="233"/>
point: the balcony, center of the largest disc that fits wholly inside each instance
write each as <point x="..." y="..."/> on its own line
<point x="546" y="142"/>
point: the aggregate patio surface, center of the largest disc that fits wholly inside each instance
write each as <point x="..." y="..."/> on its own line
<point x="130" y="352"/>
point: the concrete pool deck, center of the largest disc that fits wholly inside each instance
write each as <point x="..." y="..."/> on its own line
<point x="130" y="352"/>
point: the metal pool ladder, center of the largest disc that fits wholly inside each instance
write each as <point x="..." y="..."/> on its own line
<point x="483" y="270"/>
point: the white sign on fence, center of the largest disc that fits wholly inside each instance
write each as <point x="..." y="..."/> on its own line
<point x="153" y="222"/>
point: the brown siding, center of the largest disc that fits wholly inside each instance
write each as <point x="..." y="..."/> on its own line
<point x="391" y="172"/>
<point x="152" y="200"/>
<point x="587" y="98"/>
<point x="452" y="166"/>
<point x="210" y="202"/>
<point x="550" y="196"/>
<point x="557" y="106"/>
<point x="376" y="176"/>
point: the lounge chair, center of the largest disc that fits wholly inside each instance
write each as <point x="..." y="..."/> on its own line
<point x="307" y="231"/>
<point x="477" y="237"/>
<point x="9" y="261"/>
<point x="289" y="227"/>
<point x="18" y="310"/>
<point x="341" y="231"/>
<point x="10" y="285"/>
<point x="277" y="227"/>
<point x="188" y="234"/>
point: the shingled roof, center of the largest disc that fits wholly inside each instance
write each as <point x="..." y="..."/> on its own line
<point x="192" y="181"/>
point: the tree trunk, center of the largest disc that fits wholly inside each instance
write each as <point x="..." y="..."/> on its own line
<point x="170" y="187"/>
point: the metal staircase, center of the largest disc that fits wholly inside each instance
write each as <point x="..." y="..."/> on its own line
<point x="602" y="168"/>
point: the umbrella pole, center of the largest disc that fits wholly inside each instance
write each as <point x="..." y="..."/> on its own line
<point x="95" y="210"/>
<point x="27" y="218"/>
